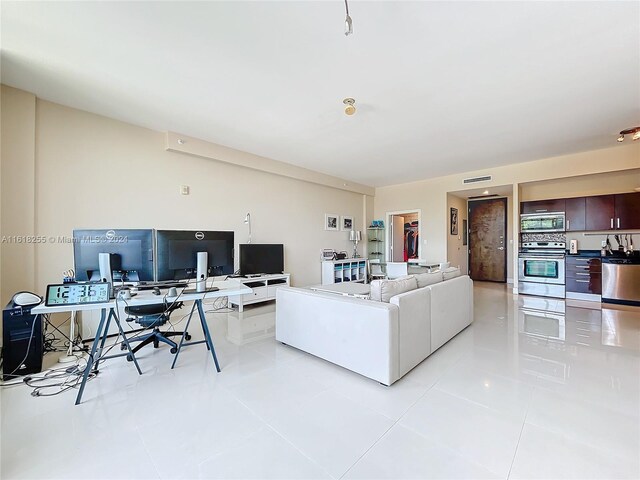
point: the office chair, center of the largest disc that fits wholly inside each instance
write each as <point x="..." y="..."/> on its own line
<point x="155" y="316"/>
<point x="396" y="270"/>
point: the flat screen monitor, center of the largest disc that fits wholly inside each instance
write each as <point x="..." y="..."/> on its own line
<point x="131" y="253"/>
<point x="177" y="251"/>
<point x="261" y="258"/>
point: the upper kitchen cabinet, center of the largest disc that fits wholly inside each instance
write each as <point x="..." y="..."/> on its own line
<point x="600" y="212"/>
<point x="575" y="214"/>
<point x="543" y="206"/>
<point x="627" y="210"/>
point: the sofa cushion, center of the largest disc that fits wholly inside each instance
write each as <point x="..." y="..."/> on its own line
<point x="383" y="290"/>
<point x="426" y="279"/>
<point x="451" y="272"/>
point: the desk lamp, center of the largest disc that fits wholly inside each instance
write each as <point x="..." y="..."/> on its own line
<point x="247" y="221"/>
<point x="355" y="236"/>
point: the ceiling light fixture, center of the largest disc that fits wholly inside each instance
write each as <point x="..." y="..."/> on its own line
<point x="350" y="108"/>
<point x="348" y="24"/>
<point x="634" y="132"/>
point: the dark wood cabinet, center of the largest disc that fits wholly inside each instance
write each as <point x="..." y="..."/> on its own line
<point x="600" y="212"/>
<point x="543" y="206"/>
<point x="627" y="211"/>
<point x="583" y="275"/>
<point x="575" y="214"/>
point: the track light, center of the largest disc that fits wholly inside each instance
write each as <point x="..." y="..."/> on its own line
<point x="348" y="23"/>
<point x="634" y="132"/>
<point x="350" y="108"/>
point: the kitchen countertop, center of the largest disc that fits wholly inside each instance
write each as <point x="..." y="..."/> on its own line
<point x="597" y="253"/>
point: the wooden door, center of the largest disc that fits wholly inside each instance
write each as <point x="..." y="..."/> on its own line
<point x="487" y="240"/>
<point x="397" y="239"/>
<point x="575" y="214"/>
<point x="600" y="212"/>
<point x="627" y="211"/>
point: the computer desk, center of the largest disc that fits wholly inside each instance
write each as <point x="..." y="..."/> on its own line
<point x="109" y="311"/>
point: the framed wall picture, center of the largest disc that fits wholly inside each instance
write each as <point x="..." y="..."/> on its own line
<point x="454" y="221"/>
<point x="331" y="222"/>
<point x="346" y="223"/>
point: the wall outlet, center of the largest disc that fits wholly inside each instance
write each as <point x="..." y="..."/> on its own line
<point x="604" y="243"/>
<point x="184" y="189"/>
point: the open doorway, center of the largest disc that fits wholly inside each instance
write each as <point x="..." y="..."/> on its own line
<point x="403" y="235"/>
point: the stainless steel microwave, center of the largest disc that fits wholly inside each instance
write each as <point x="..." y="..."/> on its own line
<point x="542" y="222"/>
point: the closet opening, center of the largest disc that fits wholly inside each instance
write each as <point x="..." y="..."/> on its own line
<point x="403" y="235"/>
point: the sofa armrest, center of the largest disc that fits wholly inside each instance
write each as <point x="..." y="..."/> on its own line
<point x="361" y="335"/>
<point x="414" y="327"/>
<point x="451" y="309"/>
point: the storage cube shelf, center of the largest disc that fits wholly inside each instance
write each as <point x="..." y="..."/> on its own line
<point x="347" y="270"/>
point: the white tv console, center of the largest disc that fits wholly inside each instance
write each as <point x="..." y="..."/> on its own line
<point x="264" y="289"/>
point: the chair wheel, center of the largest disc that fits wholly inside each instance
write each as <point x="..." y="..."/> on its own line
<point x="129" y="357"/>
<point x="187" y="337"/>
<point x="123" y="346"/>
<point x="174" y="350"/>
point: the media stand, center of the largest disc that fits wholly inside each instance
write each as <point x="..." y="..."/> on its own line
<point x="264" y="289"/>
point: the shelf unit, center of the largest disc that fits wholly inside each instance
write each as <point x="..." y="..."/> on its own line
<point x="375" y="238"/>
<point x="347" y="270"/>
<point x="264" y="289"/>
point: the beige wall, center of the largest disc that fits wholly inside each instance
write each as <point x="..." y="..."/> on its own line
<point x="431" y="195"/>
<point x="17" y="154"/>
<point x="583" y="185"/>
<point x="95" y="172"/>
<point x="457" y="253"/>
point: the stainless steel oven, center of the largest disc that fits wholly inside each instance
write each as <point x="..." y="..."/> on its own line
<point x="542" y="222"/>
<point x="541" y="269"/>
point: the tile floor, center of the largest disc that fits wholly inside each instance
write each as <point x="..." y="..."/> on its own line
<point x="515" y="395"/>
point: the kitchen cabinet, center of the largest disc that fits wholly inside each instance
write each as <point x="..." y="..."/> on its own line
<point x="600" y="212"/>
<point x="627" y="211"/>
<point x="596" y="213"/>
<point x="543" y="206"/>
<point x="583" y="277"/>
<point x="575" y="214"/>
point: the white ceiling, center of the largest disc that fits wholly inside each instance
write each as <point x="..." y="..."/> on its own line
<point x="441" y="87"/>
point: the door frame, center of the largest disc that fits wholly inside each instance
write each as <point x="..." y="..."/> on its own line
<point x="387" y="230"/>
<point x="506" y="226"/>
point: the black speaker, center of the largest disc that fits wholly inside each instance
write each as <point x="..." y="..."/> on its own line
<point x="21" y="330"/>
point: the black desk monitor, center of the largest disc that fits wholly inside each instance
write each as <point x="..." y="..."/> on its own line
<point x="177" y="250"/>
<point x="130" y="251"/>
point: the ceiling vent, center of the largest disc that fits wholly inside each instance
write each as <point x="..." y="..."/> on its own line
<point x="486" y="178"/>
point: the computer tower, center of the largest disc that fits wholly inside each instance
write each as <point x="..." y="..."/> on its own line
<point x="18" y="328"/>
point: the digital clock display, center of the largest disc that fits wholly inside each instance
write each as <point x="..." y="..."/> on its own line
<point x="77" y="294"/>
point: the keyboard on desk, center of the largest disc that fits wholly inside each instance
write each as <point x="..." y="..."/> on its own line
<point x="161" y="285"/>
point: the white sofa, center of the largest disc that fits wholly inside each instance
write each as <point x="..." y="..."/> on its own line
<point x="379" y="340"/>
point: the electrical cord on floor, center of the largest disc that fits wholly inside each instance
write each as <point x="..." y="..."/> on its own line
<point x="69" y="377"/>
